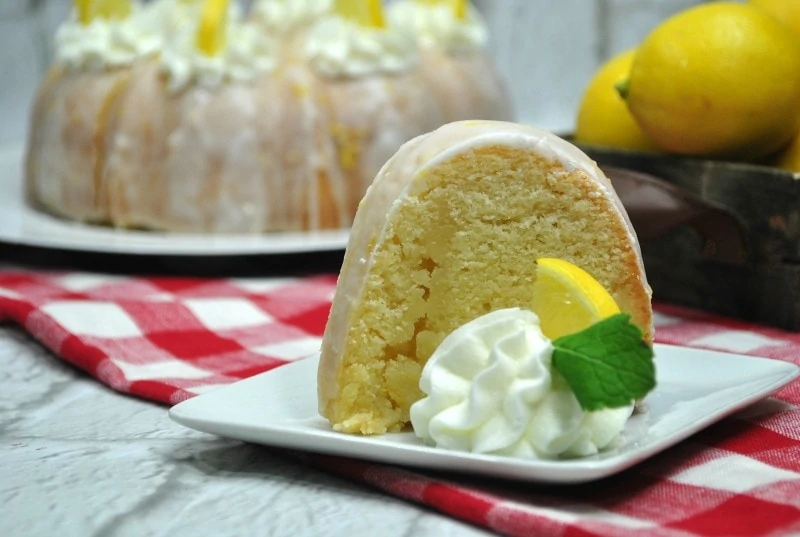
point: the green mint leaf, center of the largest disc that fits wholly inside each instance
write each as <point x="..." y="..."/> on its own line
<point x="608" y="365"/>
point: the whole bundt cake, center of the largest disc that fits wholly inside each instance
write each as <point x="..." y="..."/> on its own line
<point x="192" y="116"/>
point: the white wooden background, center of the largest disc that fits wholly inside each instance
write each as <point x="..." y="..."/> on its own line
<point x="548" y="49"/>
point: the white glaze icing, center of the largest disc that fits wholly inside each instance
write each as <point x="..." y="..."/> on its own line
<point x="339" y="47"/>
<point x="437" y="26"/>
<point x="106" y="43"/>
<point x="58" y="176"/>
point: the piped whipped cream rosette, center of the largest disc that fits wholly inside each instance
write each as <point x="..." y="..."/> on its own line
<point x="118" y="35"/>
<point x="178" y="16"/>
<point x="219" y="48"/>
<point x="444" y="24"/>
<point x="283" y="16"/>
<point x="356" y="41"/>
<point x="497" y="385"/>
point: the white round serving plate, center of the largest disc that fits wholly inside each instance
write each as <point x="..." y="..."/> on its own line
<point x="23" y="225"/>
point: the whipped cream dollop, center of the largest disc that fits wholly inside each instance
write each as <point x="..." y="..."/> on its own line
<point x="289" y="15"/>
<point x="108" y="43"/>
<point x="491" y="389"/>
<point x="180" y="15"/>
<point x="436" y="26"/>
<point x="339" y="47"/>
<point x="247" y="53"/>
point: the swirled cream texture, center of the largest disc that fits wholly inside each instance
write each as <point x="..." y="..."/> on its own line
<point x="339" y="47"/>
<point x="437" y="26"/>
<point x="107" y="43"/>
<point x="247" y="53"/>
<point x="491" y="389"/>
<point x="177" y="16"/>
<point x="288" y="15"/>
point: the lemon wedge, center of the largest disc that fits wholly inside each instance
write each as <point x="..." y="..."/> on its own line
<point x="89" y="10"/>
<point x="84" y="10"/>
<point x="213" y="27"/>
<point x="460" y="9"/>
<point x="568" y="299"/>
<point x="113" y="9"/>
<point x="368" y="13"/>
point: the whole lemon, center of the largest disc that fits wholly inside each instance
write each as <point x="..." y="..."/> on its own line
<point x="789" y="158"/>
<point x="720" y="79"/>
<point x="603" y="117"/>
<point x="786" y="11"/>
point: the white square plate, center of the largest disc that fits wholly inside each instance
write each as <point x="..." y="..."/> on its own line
<point x="695" y="389"/>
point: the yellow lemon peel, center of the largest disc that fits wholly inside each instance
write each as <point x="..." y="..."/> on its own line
<point x="786" y="11"/>
<point x="720" y="79"/>
<point x="213" y="26"/>
<point x="367" y="13"/>
<point x="460" y="9"/>
<point x="89" y="10"/>
<point x="603" y="117"/>
<point x="568" y="299"/>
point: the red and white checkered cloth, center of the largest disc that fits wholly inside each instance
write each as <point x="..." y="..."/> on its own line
<point x="168" y="339"/>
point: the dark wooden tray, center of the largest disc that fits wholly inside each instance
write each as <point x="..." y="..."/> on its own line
<point x="764" y="286"/>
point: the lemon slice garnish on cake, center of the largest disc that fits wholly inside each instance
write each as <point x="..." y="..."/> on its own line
<point x="88" y="10"/>
<point x="213" y="27"/>
<point x="460" y="9"/>
<point x="568" y="299"/>
<point x="83" y="9"/>
<point x="367" y="13"/>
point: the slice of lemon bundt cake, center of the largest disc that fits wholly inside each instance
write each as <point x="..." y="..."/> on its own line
<point x="450" y="230"/>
